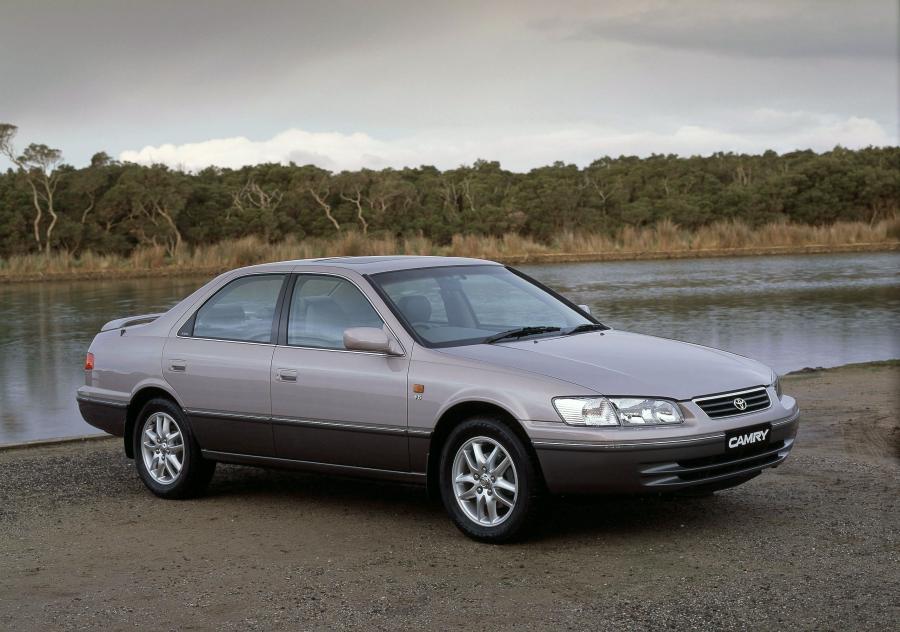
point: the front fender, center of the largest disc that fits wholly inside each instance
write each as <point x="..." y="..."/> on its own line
<point x="448" y="382"/>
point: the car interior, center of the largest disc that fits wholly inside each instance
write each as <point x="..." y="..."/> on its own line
<point x="322" y="307"/>
<point x="444" y="305"/>
<point x="243" y="310"/>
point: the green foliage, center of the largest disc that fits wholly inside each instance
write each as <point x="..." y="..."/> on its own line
<point x="112" y="207"/>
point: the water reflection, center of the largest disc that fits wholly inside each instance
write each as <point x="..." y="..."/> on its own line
<point x="45" y="329"/>
<point x="789" y="312"/>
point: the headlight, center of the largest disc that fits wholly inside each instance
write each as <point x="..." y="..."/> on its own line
<point x="586" y="411"/>
<point x="647" y="412"/>
<point x="776" y="384"/>
<point x="617" y="411"/>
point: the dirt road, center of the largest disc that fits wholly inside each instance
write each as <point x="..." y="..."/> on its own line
<point x="811" y="545"/>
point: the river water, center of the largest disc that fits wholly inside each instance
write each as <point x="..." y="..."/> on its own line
<point x="789" y="312"/>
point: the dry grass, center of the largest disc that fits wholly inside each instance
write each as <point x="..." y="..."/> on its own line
<point x="665" y="237"/>
<point x="668" y="237"/>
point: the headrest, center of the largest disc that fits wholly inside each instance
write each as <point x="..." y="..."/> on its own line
<point x="324" y="309"/>
<point x="229" y="313"/>
<point x="416" y="308"/>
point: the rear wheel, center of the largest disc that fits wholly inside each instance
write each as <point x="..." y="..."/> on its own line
<point x="167" y="457"/>
<point x="489" y="481"/>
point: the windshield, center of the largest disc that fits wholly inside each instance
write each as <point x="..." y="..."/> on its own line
<point x="473" y="304"/>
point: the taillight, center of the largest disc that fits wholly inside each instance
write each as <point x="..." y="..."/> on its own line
<point x="89" y="362"/>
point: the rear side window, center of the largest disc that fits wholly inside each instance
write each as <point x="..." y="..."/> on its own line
<point x="243" y="310"/>
<point x="322" y="307"/>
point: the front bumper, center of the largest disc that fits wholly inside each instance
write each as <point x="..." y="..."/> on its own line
<point x="659" y="465"/>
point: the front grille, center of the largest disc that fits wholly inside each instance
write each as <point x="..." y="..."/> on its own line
<point x="714" y="468"/>
<point x="729" y="404"/>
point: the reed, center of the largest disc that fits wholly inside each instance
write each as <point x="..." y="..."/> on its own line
<point x="663" y="238"/>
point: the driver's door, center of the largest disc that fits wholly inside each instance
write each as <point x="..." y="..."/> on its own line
<point x="329" y="404"/>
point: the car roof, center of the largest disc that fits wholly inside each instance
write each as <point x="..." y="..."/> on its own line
<point x="374" y="264"/>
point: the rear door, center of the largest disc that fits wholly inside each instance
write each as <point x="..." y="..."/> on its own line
<point x="220" y="362"/>
<point x="329" y="404"/>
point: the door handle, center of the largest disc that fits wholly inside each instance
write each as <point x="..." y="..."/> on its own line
<point x="178" y="365"/>
<point x="286" y="375"/>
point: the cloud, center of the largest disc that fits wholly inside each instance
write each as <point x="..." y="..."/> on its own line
<point x="804" y="29"/>
<point x="754" y="132"/>
<point x="438" y="81"/>
<point x="329" y="150"/>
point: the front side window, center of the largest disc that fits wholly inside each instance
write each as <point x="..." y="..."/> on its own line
<point x="470" y="304"/>
<point x="243" y="310"/>
<point x="322" y="307"/>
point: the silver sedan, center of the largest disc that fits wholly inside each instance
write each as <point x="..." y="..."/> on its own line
<point x="462" y="375"/>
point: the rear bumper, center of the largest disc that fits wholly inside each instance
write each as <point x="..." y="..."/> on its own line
<point x="694" y="463"/>
<point x="106" y="415"/>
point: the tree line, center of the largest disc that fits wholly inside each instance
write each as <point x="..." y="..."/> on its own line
<point x="110" y="206"/>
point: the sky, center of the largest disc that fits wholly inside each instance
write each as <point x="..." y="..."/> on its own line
<point x="396" y="83"/>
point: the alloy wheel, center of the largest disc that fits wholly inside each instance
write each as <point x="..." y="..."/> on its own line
<point x="485" y="482"/>
<point x="162" y="447"/>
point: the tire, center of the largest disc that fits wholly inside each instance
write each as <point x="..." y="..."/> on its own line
<point x="519" y="482"/>
<point x="162" y="476"/>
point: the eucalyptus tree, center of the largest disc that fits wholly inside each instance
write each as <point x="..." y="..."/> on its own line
<point x="256" y="206"/>
<point x="353" y="188"/>
<point x="38" y="162"/>
<point x="316" y="183"/>
<point x="108" y="206"/>
<point x="155" y="196"/>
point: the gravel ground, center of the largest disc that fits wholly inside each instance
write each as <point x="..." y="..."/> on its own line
<point x="811" y="545"/>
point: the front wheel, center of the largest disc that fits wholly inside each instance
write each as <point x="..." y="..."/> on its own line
<point x="167" y="457"/>
<point x="489" y="481"/>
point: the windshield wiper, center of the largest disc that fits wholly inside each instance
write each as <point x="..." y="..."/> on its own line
<point x="586" y="327"/>
<point x="519" y="333"/>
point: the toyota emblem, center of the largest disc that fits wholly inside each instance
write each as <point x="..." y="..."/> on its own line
<point x="739" y="403"/>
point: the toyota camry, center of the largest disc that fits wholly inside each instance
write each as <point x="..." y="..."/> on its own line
<point x="462" y="375"/>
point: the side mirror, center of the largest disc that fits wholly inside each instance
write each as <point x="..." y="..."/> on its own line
<point x="585" y="308"/>
<point x="370" y="339"/>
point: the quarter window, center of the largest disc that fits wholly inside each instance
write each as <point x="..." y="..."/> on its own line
<point x="322" y="307"/>
<point x="243" y="310"/>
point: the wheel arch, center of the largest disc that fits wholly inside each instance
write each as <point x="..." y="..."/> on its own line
<point x="458" y="413"/>
<point x="138" y="400"/>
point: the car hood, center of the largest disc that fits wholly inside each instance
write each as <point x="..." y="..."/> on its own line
<point x="622" y="363"/>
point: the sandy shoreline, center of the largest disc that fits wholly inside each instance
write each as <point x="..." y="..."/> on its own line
<point x="515" y="259"/>
<point x="814" y="544"/>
